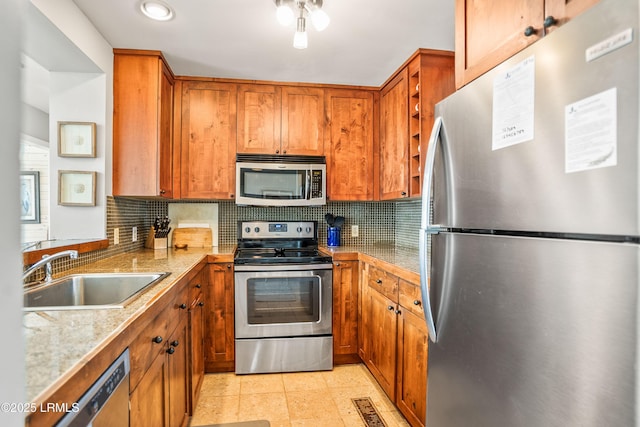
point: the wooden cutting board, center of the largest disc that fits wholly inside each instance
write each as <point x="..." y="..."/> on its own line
<point x="193" y="237"/>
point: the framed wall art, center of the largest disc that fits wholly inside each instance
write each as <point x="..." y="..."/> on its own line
<point x="30" y="197"/>
<point x="76" y="188"/>
<point x="76" y="139"/>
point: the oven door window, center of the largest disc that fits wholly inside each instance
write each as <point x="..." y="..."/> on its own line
<point x="283" y="300"/>
<point x="273" y="184"/>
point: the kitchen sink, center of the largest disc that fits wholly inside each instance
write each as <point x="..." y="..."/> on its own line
<point x="89" y="291"/>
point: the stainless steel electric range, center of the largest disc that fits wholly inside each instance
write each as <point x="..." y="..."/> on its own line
<point x="283" y="298"/>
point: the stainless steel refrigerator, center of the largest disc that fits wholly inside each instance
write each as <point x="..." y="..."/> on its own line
<point x="530" y="234"/>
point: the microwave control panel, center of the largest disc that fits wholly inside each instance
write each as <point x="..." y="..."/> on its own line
<point x="316" y="184"/>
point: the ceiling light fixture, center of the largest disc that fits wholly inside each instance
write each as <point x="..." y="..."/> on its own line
<point x="157" y="10"/>
<point x="286" y="13"/>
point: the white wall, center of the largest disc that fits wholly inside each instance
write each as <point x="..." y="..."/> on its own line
<point x="78" y="97"/>
<point x="12" y="366"/>
<point x="81" y="97"/>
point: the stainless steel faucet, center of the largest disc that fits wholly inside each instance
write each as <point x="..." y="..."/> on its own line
<point x="46" y="261"/>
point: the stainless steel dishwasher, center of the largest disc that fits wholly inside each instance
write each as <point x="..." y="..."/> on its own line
<point x="106" y="403"/>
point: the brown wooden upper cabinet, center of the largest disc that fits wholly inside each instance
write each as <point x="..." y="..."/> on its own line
<point x="407" y="105"/>
<point x="490" y="31"/>
<point x="207" y="142"/>
<point x="394" y="137"/>
<point x="276" y="119"/>
<point x="142" y="124"/>
<point x="350" y="144"/>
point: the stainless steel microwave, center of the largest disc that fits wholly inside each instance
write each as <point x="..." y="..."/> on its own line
<point x="267" y="180"/>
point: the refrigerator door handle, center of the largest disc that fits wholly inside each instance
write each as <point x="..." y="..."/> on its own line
<point x="426" y="226"/>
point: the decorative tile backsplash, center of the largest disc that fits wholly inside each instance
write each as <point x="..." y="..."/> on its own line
<point x="392" y="223"/>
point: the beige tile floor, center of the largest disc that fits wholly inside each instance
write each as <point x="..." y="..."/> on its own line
<point x="313" y="399"/>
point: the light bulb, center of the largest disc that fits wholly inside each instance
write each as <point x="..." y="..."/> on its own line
<point x="320" y="19"/>
<point x="285" y="15"/>
<point x="300" y="40"/>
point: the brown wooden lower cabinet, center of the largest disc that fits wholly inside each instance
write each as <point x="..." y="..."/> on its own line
<point x="345" y="312"/>
<point x="160" y="398"/>
<point x="196" y="336"/>
<point x="219" y="341"/>
<point x="394" y="339"/>
<point x="411" y="381"/>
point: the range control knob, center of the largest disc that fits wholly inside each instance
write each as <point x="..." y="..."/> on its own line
<point x="257" y="229"/>
<point x="299" y="229"/>
<point x="308" y="229"/>
<point x="247" y="229"/>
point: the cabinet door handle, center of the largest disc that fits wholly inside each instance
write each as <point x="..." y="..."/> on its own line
<point x="228" y="265"/>
<point x="337" y="264"/>
<point x="198" y="286"/>
<point x="404" y="193"/>
<point x="183" y="306"/>
<point x="398" y="312"/>
<point x="417" y="302"/>
<point x="175" y="343"/>
<point x="162" y="191"/>
<point x="201" y="304"/>
<point x="529" y="31"/>
<point x="277" y="151"/>
<point x="390" y="308"/>
<point x="171" y="350"/>
<point x="157" y="339"/>
<point x="549" y="21"/>
<point x="378" y="281"/>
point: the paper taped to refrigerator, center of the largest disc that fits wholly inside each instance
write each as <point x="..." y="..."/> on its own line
<point x="513" y="102"/>
<point x="590" y="132"/>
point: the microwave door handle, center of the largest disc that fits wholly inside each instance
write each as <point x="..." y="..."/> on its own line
<point x="308" y="187"/>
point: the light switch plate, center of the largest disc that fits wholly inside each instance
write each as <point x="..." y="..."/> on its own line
<point x="116" y="236"/>
<point x="354" y="231"/>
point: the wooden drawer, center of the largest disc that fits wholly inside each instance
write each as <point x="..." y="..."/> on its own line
<point x="383" y="282"/>
<point x="144" y="349"/>
<point x="153" y="339"/>
<point x="195" y="288"/>
<point x="410" y="298"/>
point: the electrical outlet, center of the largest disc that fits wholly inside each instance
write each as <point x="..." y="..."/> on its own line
<point x="134" y="234"/>
<point x="116" y="236"/>
<point x="354" y="231"/>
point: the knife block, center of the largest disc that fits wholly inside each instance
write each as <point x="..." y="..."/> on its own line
<point x="155" y="242"/>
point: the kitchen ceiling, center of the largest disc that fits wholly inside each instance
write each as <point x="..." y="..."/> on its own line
<point x="365" y="43"/>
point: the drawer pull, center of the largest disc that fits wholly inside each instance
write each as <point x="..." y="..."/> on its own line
<point x="416" y="302"/>
<point x="157" y="339"/>
<point x="171" y="350"/>
<point x="174" y="343"/>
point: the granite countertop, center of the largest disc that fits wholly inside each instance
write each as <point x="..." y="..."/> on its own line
<point x="58" y="341"/>
<point x="405" y="258"/>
